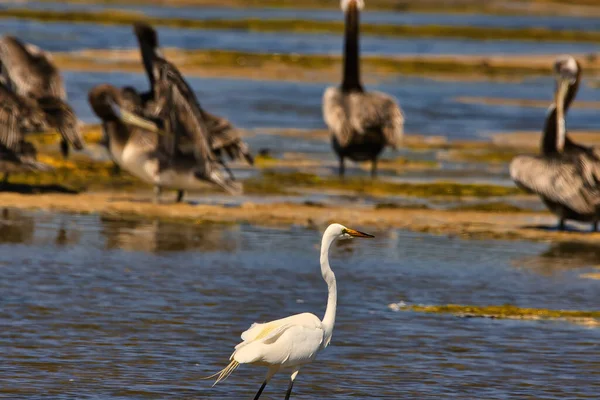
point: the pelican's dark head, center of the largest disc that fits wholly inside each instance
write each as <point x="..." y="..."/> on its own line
<point x="102" y="98"/>
<point x="146" y="34"/>
<point x="347" y="4"/>
<point x="567" y="68"/>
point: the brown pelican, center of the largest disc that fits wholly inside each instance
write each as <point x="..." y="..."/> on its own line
<point x="566" y="175"/>
<point x="223" y="138"/>
<point x="135" y="145"/>
<point x="31" y="73"/>
<point x="16" y="115"/>
<point x="362" y="123"/>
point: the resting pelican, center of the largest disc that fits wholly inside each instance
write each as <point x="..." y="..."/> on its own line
<point x="362" y="123"/>
<point x="566" y="175"/>
<point x="136" y="147"/>
<point x="292" y="342"/>
<point x="18" y="114"/>
<point x="222" y="136"/>
<point x="31" y="73"/>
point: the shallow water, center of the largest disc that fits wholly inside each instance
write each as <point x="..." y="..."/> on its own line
<point x="430" y="106"/>
<point x="368" y="16"/>
<point x="99" y="309"/>
<point x="78" y="36"/>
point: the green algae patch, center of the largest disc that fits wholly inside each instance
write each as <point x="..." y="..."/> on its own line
<point x="493" y="207"/>
<point x="115" y="17"/>
<point x="91" y="134"/>
<point x="396" y="206"/>
<point x="490" y="154"/>
<point x="506" y="311"/>
<point x="77" y="175"/>
<point x="312" y="67"/>
<point x="283" y="182"/>
<point x="493" y="7"/>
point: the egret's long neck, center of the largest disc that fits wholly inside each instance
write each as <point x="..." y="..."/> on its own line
<point x="351" y="80"/>
<point x="329" y="277"/>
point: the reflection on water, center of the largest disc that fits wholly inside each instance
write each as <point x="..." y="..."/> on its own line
<point x="110" y="309"/>
<point x="156" y="236"/>
<point x="562" y="256"/>
<point x="16" y="227"/>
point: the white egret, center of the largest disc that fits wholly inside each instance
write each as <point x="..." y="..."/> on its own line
<point x="289" y="343"/>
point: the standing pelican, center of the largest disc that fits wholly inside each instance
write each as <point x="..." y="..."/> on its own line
<point x="222" y="136"/>
<point x="362" y="123"/>
<point x="566" y="175"/>
<point x="31" y="73"/>
<point x="18" y="114"/>
<point x="137" y="148"/>
<point x="292" y="342"/>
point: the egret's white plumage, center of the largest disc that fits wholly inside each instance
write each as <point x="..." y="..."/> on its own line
<point x="289" y="343"/>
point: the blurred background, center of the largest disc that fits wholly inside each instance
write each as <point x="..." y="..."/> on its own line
<point x="110" y="306"/>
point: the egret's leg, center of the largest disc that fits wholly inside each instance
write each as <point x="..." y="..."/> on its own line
<point x="342" y="170"/>
<point x="270" y="373"/>
<point x="292" y="379"/>
<point x="180" y="194"/>
<point x="595" y="226"/>
<point x="157" y="192"/>
<point x="374" y="168"/>
<point x="262" y="387"/>
<point x="561" y="224"/>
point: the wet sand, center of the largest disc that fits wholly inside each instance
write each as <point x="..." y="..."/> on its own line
<point x="464" y="224"/>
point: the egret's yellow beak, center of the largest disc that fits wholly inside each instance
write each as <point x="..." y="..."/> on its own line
<point x="354" y="233"/>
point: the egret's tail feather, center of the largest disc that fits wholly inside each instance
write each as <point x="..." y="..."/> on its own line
<point x="225" y="372"/>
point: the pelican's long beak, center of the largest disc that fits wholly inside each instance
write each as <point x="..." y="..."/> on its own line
<point x="135" y="120"/>
<point x="561" y="93"/>
<point x="359" y="234"/>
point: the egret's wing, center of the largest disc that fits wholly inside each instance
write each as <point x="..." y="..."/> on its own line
<point x="336" y="115"/>
<point x="558" y="181"/>
<point x="262" y="330"/>
<point x="288" y="342"/>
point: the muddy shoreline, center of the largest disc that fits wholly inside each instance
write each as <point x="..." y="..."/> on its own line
<point x="463" y="224"/>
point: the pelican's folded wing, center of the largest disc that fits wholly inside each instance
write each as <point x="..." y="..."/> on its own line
<point x="555" y="180"/>
<point x="30" y="70"/>
<point x="335" y="114"/>
<point x="380" y="112"/>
